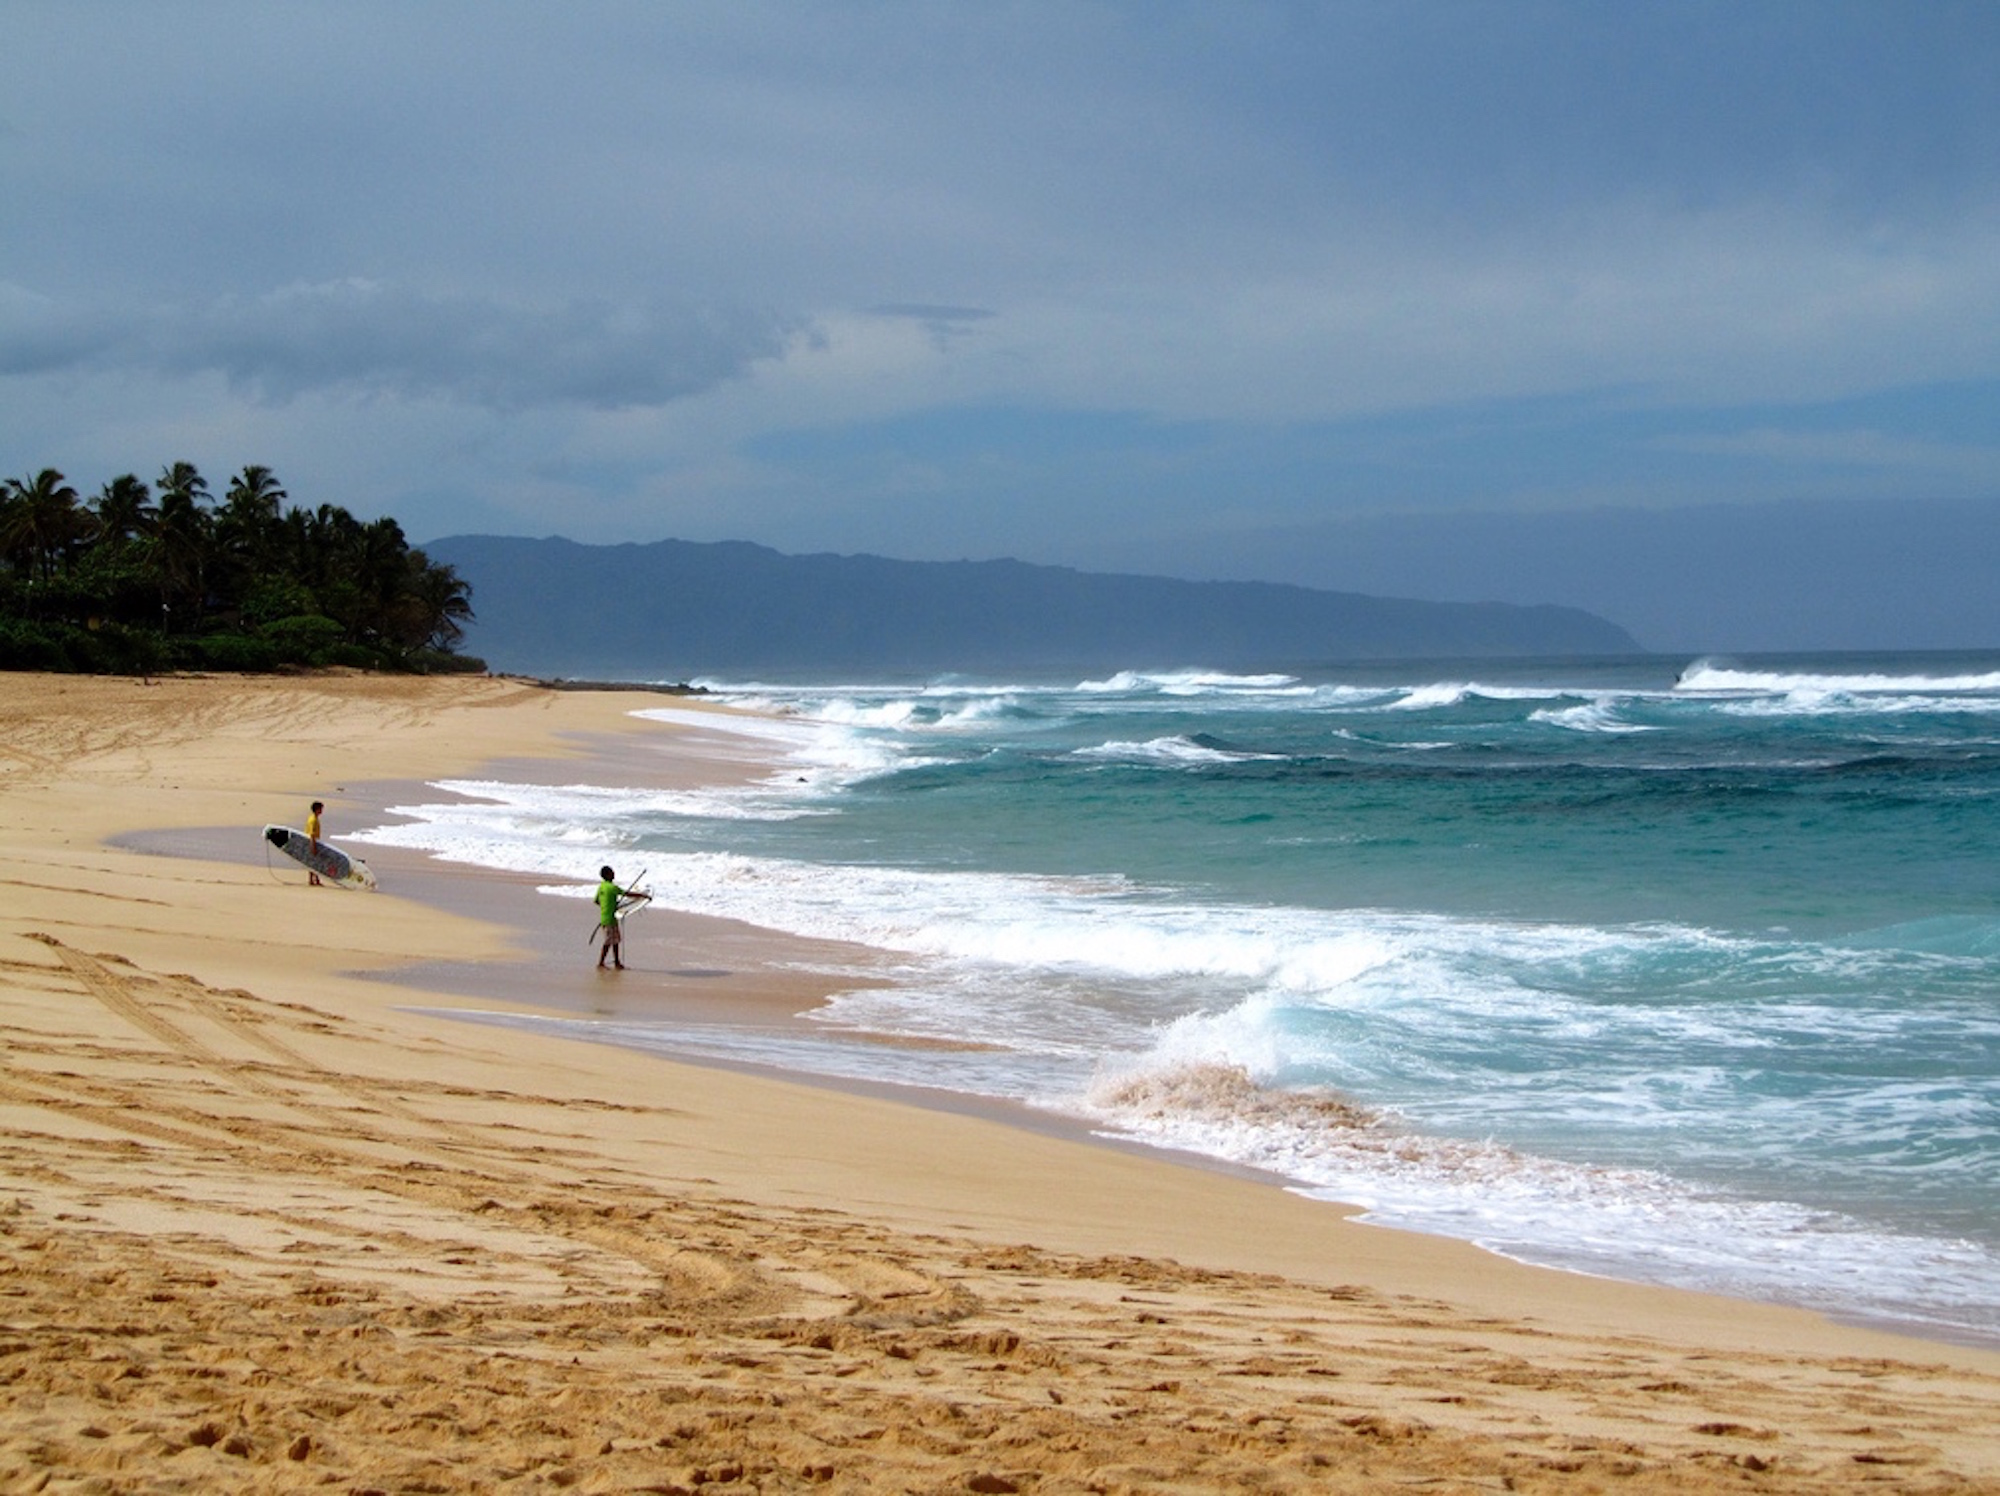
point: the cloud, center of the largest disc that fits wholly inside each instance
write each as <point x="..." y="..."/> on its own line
<point x="1013" y="278"/>
<point x="945" y="326"/>
<point x="1977" y="467"/>
<point x="40" y="336"/>
<point x="1769" y="301"/>
<point x="363" y="338"/>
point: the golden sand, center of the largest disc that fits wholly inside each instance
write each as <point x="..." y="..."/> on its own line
<point x="264" y="1227"/>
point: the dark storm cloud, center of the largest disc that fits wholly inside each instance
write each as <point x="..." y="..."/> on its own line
<point x="39" y="337"/>
<point x="1075" y="280"/>
<point x="358" y="338"/>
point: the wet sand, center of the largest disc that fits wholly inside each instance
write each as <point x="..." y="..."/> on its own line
<point x="269" y="1223"/>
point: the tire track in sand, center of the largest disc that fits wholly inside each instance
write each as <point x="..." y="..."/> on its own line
<point x="446" y="1167"/>
<point x="339" y="1147"/>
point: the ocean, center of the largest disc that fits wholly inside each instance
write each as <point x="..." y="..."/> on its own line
<point x="1679" y="971"/>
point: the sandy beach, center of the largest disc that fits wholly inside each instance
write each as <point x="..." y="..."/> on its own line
<point x="273" y="1223"/>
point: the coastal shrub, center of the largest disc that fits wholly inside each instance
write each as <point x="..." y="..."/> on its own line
<point x="32" y="646"/>
<point x="353" y="657"/>
<point x="443" y="662"/>
<point x="304" y="639"/>
<point x="278" y="600"/>
<point x="236" y="652"/>
<point x="119" y="649"/>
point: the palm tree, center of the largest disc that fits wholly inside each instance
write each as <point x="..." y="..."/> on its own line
<point x="12" y="550"/>
<point x="247" y="523"/>
<point x="248" y="535"/>
<point x="254" y="494"/>
<point x="40" y="522"/>
<point x="440" y="602"/>
<point x="182" y="538"/>
<point x="124" y="510"/>
<point x="380" y="563"/>
<point x="184" y="480"/>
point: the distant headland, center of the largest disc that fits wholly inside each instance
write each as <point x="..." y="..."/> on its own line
<point x="674" y="608"/>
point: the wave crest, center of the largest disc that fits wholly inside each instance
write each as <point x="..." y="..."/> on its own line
<point x="1217" y="1091"/>
<point x="1704" y="675"/>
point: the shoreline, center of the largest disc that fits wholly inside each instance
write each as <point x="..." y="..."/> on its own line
<point x="621" y="1229"/>
<point x="754" y="970"/>
<point x="552" y="977"/>
<point x="779" y="1005"/>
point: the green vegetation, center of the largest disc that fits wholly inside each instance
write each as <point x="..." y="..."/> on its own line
<point x="140" y="579"/>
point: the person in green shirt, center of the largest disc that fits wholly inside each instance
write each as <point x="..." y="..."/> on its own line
<point x="611" y="935"/>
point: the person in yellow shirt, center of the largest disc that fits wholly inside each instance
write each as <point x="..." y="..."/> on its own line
<point x="312" y="835"/>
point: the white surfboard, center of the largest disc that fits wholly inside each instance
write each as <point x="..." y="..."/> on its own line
<point x="326" y="859"/>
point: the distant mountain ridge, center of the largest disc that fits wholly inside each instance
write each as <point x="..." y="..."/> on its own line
<point x="676" y="608"/>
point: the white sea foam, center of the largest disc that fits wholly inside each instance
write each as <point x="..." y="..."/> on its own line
<point x="882" y="715"/>
<point x="821" y="753"/>
<point x="1104" y="927"/>
<point x="1172" y="751"/>
<point x="1424" y="698"/>
<point x="1589" y="716"/>
<point x="1778" y="693"/>
<point x="1618" y="1221"/>
<point x="1703" y="676"/>
<point x="1441" y="694"/>
<point x="1813" y="702"/>
<point x="1632" y="1223"/>
<point x="1191" y="683"/>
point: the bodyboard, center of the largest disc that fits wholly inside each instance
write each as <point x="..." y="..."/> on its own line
<point x="327" y="860"/>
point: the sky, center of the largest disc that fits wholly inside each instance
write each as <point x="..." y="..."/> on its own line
<point x="1683" y="311"/>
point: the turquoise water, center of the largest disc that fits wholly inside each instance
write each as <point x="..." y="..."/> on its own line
<point x="1685" y="971"/>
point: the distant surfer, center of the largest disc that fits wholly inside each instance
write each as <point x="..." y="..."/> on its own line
<point x="611" y="902"/>
<point x="312" y="835"/>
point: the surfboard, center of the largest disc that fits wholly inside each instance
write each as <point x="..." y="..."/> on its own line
<point x="327" y="860"/>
